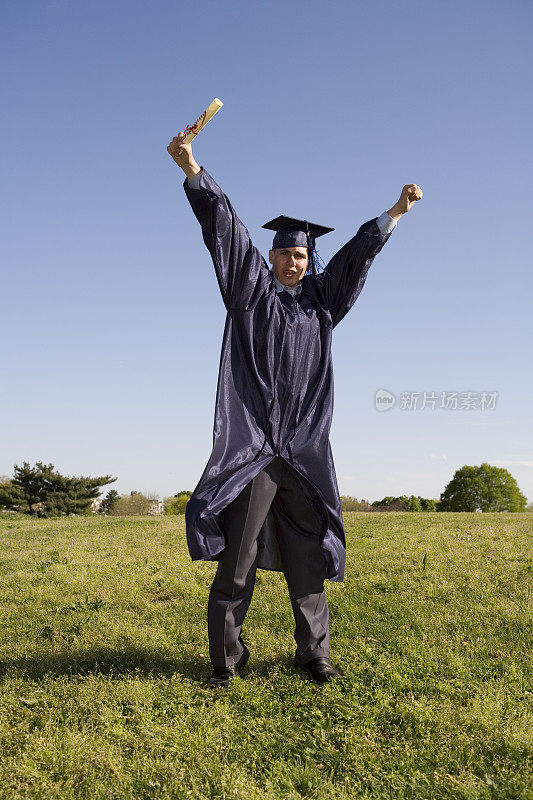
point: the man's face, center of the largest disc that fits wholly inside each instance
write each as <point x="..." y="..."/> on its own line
<point x="289" y="263"/>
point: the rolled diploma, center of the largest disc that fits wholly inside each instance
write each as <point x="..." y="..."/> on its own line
<point x="202" y="120"/>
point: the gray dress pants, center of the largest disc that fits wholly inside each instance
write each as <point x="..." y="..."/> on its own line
<point x="298" y="527"/>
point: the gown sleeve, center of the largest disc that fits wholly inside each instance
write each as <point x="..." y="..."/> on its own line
<point x="240" y="268"/>
<point x="345" y="274"/>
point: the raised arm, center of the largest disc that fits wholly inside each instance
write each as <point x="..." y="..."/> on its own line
<point x="240" y="268"/>
<point x="345" y="274"/>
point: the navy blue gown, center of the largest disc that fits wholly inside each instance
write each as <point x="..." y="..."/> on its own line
<point x="275" y="384"/>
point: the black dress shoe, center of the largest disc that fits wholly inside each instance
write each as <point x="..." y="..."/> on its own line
<point x="319" y="670"/>
<point x="224" y="676"/>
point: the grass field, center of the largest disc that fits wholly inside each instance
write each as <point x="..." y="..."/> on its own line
<point x="104" y="657"/>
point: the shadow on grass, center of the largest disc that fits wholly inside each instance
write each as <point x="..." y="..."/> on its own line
<point x="263" y="668"/>
<point x="130" y="660"/>
<point x="106" y="661"/>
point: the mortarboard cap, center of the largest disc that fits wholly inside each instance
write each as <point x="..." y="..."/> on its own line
<point x="291" y="232"/>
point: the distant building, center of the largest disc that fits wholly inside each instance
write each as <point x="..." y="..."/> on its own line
<point x="156" y="508"/>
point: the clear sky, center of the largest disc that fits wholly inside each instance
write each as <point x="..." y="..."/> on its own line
<point x="111" y="318"/>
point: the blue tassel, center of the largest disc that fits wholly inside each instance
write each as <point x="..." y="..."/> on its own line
<point x="316" y="264"/>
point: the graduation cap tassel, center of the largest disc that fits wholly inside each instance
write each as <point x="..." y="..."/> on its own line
<point x="316" y="264"/>
<point x="311" y="266"/>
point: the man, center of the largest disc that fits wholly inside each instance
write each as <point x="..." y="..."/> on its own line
<point x="268" y="496"/>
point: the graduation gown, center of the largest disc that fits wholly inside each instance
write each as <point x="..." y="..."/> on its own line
<point x="275" y="384"/>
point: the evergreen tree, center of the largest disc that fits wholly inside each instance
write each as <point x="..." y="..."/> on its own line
<point x="44" y="491"/>
<point x="26" y="490"/>
<point x="109" y="502"/>
<point x="71" y="495"/>
<point x="12" y="496"/>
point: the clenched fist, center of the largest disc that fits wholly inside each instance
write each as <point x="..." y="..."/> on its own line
<point x="411" y="192"/>
<point x="182" y="155"/>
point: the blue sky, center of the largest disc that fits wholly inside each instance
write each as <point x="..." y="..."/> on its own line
<point x="111" y="319"/>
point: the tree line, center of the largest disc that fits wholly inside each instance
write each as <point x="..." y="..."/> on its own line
<point x="484" y="488"/>
<point x="43" y="491"/>
<point x="137" y="503"/>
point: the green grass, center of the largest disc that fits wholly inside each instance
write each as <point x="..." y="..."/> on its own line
<point x="104" y="656"/>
